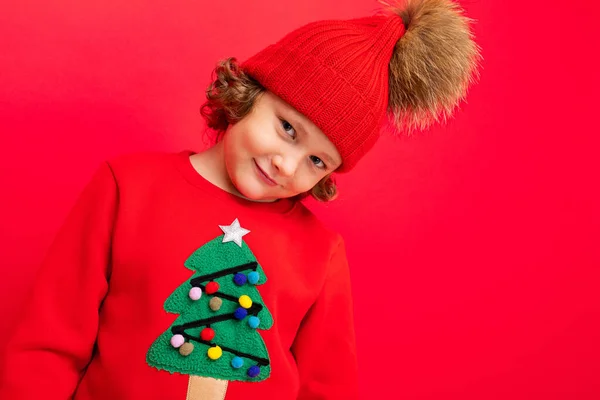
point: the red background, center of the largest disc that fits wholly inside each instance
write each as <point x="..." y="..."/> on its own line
<point x="473" y="248"/>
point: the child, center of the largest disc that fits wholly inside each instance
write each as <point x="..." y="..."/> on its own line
<point x="201" y="276"/>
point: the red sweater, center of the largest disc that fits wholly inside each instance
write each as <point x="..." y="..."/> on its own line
<point x="142" y="263"/>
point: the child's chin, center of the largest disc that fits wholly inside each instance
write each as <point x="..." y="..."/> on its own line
<point x="254" y="193"/>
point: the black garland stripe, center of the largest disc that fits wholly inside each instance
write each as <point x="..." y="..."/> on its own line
<point x="209" y="277"/>
<point x="254" y="309"/>
<point x="220" y="294"/>
<point x="259" y="360"/>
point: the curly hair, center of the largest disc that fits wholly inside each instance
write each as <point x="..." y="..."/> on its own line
<point x="230" y="97"/>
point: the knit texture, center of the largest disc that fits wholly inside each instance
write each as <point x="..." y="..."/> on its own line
<point x="336" y="74"/>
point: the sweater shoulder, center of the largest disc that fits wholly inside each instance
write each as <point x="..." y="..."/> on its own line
<point x="142" y="163"/>
<point x="317" y="228"/>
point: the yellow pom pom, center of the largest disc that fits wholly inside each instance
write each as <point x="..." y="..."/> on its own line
<point x="245" y="301"/>
<point x="214" y="353"/>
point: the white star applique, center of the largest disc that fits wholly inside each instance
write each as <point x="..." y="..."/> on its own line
<point x="233" y="232"/>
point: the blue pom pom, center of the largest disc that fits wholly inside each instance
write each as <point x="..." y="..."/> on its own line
<point x="240" y="313"/>
<point x="253" y="322"/>
<point x="253" y="371"/>
<point x="239" y="279"/>
<point x="253" y="277"/>
<point x="237" y="362"/>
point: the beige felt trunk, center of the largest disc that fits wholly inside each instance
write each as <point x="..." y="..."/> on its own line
<point x="201" y="388"/>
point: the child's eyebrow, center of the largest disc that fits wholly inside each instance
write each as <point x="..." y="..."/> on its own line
<point x="329" y="160"/>
<point x="324" y="155"/>
<point x="296" y="123"/>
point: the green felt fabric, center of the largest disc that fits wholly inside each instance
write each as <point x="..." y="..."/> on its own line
<point x="213" y="257"/>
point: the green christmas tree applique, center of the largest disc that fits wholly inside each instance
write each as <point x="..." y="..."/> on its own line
<point x="220" y="310"/>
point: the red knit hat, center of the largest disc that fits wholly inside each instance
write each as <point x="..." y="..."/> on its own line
<point x="336" y="73"/>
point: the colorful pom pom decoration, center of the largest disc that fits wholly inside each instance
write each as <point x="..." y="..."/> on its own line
<point x="237" y="362"/>
<point x="253" y="277"/>
<point x="253" y="371"/>
<point x="215" y="303"/>
<point x="253" y="322"/>
<point x="214" y="353"/>
<point x="177" y="341"/>
<point x="239" y="279"/>
<point x="212" y="287"/>
<point x="245" y="301"/>
<point x="195" y="293"/>
<point x="207" y="334"/>
<point x="240" y="313"/>
<point x="186" y="349"/>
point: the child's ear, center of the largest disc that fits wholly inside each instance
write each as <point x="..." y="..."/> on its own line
<point x="325" y="190"/>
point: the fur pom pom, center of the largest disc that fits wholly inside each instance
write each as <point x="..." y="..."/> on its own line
<point x="433" y="64"/>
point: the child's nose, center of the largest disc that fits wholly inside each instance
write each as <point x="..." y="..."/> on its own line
<point x="286" y="166"/>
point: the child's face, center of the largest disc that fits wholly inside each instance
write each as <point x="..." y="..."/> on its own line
<point x="275" y="152"/>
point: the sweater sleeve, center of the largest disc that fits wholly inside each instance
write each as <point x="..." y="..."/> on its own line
<point x="55" y="336"/>
<point x="324" y="347"/>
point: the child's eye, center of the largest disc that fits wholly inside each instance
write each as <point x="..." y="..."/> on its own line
<point x="318" y="162"/>
<point x="288" y="128"/>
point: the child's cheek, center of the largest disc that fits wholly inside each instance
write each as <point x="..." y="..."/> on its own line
<point x="301" y="183"/>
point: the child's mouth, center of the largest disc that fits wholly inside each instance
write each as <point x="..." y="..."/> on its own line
<point x="264" y="175"/>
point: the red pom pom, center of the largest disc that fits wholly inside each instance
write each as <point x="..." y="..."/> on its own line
<point x="207" y="334"/>
<point x="211" y="287"/>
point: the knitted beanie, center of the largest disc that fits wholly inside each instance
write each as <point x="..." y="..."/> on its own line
<point x="338" y="73"/>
